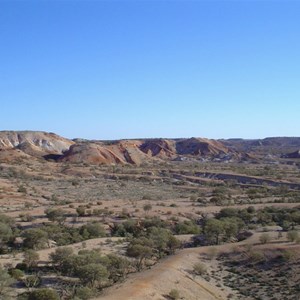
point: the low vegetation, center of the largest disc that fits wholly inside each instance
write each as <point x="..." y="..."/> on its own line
<point x="137" y="215"/>
<point x="263" y="274"/>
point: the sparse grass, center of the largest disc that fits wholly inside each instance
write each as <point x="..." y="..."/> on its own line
<point x="263" y="280"/>
<point x="110" y="194"/>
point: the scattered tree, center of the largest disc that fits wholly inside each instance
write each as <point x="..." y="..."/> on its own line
<point x="60" y="255"/>
<point x="213" y="230"/>
<point x="35" y="238"/>
<point x="93" y="274"/>
<point x="140" y="252"/>
<point x="31" y="258"/>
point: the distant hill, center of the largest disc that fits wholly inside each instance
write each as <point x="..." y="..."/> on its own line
<point x="38" y="144"/>
<point x="34" y="143"/>
<point x="269" y="145"/>
<point x="148" y="150"/>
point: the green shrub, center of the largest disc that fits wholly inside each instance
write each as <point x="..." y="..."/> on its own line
<point x="84" y="293"/>
<point x="16" y="274"/>
<point x="187" y="227"/>
<point x="92" y="230"/>
<point x="43" y="294"/>
<point x="264" y="238"/>
<point x="31" y="258"/>
<point x="292" y="235"/>
<point x="174" y="294"/>
<point x="80" y="211"/>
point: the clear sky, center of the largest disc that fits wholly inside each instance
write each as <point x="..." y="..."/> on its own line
<point x="129" y="69"/>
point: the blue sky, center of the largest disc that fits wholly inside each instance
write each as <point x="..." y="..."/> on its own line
<point x="134" y="69"/>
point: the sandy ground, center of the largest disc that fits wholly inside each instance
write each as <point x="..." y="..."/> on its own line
<point x="174" y="272"/>
<point x="171" y="273"/>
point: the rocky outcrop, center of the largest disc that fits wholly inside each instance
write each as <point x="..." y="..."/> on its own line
<point x="161" y="148"/>
<point x="119" y="152"/>
<point x="268" y="146"/>
<point x="149" y="150"/>
<point x="35" y="143"/>
<point x="90" y="153"/>
<point x="52" y="146"/>
<point x="200" y="147"/>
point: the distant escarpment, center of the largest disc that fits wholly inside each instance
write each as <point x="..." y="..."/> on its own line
<point x="266" y="146"/>
<point x="148" y="150"/>
<point x="33" y="143"/>
<point x="42" y="145"/>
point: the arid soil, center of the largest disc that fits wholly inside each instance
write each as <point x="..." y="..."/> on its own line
<point x="178" y="179"/>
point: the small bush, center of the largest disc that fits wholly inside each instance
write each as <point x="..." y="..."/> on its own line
<point x="43" y="294"/>
<point x="16" y="274"/>
<point x="84" y="293"/>
<point x="292" y="236"/>
<point x="22" y="189"/>
<point x="199" y="268"/>
<point x="174" y="294"/>
<point x="26" y="217"/>
<point x="147" y="207"/>
<point x="80" y="210"/>
<point x="264" y="238"/>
